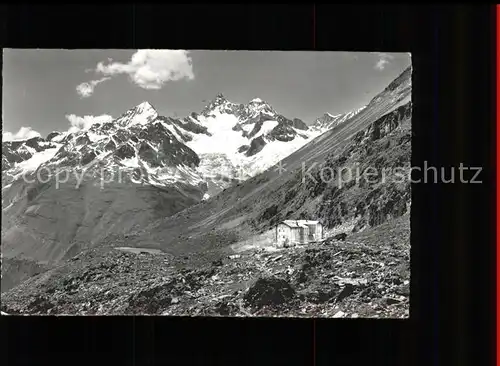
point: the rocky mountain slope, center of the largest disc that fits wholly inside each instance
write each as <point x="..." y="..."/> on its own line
<point x="368" y="184"/>
<point x="25" y="155"/>
<point x="366" y="276"/>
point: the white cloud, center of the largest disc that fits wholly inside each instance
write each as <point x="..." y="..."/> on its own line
<point x="24" y="133"/>
<point x="83" y="123"/>
<point x="85" y="90"/>
<point x="150" y="69"/>
<point x="384" y="59"/>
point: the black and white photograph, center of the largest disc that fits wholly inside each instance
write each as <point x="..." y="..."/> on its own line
<point x="206" y="183"/>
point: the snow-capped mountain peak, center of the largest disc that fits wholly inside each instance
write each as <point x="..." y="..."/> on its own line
<point x="219" y="105"/>
<point x="328" y="121"/>
<point x="220" y="97"/>
<point x="329" y="115"/>
<point x="145" y="107"/>
<point x="140" y="114"/>
<point x="256" y="100"/>
<point x="257" y="106"/>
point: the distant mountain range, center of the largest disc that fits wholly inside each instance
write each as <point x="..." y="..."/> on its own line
<point x="227" y="142"/>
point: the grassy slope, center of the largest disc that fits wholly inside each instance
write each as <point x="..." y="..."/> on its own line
<point x="49" y="223"/>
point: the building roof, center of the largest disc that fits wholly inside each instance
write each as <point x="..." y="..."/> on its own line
<point x="299" y="223"/>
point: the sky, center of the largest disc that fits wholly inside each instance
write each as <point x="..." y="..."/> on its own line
<point x="60" y="90"/>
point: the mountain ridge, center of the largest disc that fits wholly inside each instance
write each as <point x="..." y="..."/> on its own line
<point x="328" y="121"/>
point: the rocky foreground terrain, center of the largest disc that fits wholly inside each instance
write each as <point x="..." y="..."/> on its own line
<point x="367" y="275"/>
<point x="173" y="250"/>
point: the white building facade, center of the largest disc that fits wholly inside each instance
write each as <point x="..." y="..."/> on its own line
<point x="296" y="232"/>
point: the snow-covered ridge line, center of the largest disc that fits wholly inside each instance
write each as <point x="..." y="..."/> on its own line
<point x="328" y="121"/>
<point x="247" y="137"/>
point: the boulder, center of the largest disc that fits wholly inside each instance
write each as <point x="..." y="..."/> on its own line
<point x="341" y="236"/>
<point x="269" y="291"/>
